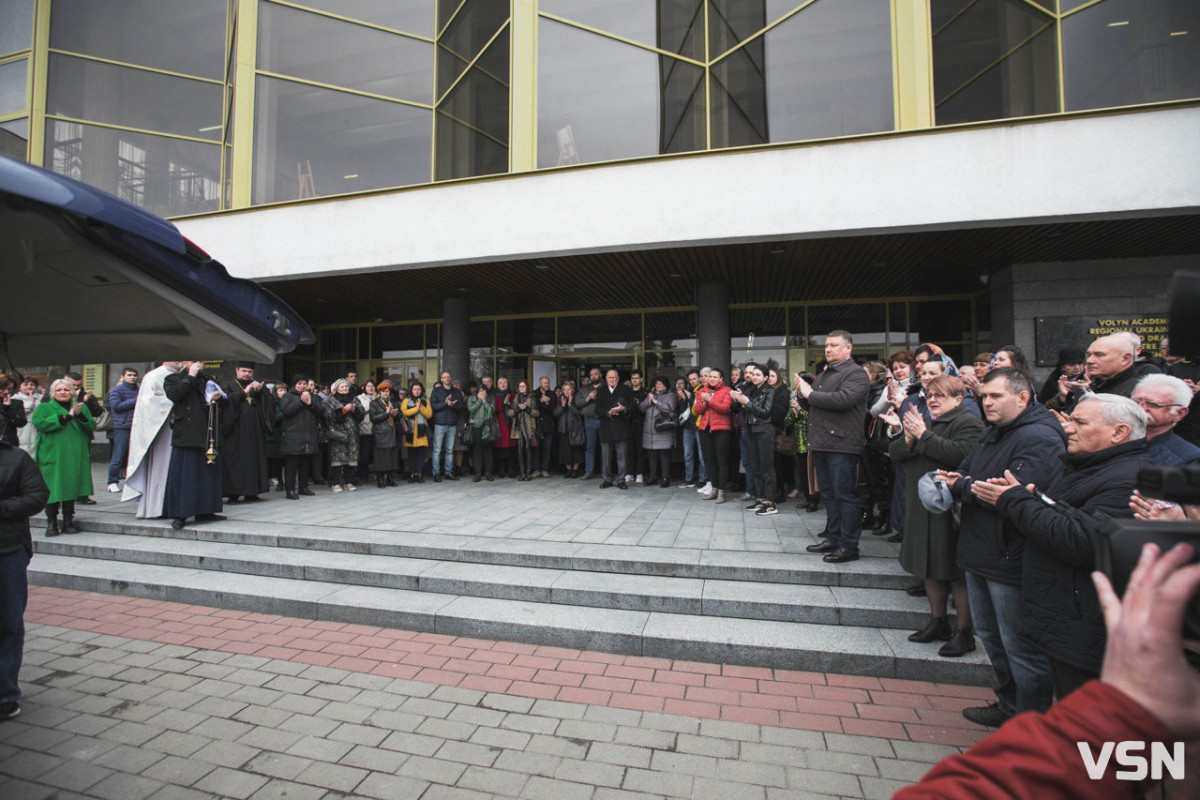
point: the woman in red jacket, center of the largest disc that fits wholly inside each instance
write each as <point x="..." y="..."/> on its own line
<point x="711" y="409"/>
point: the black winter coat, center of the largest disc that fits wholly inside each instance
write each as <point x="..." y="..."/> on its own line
<point x="569" y="422"/>
<point x="1060" y="610"/>
<point x="12" y="416"/>
<point x="619" y="427"/>
<point x="1031" y="447"/>
<point x="301" y="430"/>
<point x="1121" y="384"/>
<point x="23" y="494"/>
<point x="837" y="408"/>
<point x="189" y="418"/>
<point x="545" y="410"/>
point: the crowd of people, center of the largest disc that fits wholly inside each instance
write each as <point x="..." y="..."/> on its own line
<point x="929" y="454"/>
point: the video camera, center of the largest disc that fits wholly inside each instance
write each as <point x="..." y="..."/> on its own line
<point x="1119" y="545"/>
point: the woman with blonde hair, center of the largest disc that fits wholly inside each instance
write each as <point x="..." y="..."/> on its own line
<point x="63" y="453"/>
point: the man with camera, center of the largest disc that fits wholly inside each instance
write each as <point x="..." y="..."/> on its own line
<point x="1025" y="440"/>
<point x="1060" y="611"/>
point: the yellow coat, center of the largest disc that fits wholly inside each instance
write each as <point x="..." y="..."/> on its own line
<point x="418" y="426"/>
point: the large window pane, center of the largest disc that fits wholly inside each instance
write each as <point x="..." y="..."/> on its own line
<point x="12" y="86"/>
<point x="1123" y="52"/>
<point x="599" y="99"/>
<point x="14" y="138"/>
<point x="465" y="36"/>
<point x="733" y="21"/>
<point x="305" y="45"/>
<point x="185" y="36"/>
<point x="312" y="142"/>
<point x="16" y="25"/>
<point x="472" y="121"/>
<point x="135" y="98"/>
<point x="826" y="71"/>
<point x="673" y="25"/>
<point x="992" y="59"/>
<point x="413" y="16"/>
<point x="163" y="175"/>
<point x="600" y="333"/>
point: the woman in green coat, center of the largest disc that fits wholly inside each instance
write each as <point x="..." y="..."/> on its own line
<point x="63" y="453"/>
<point x="930" y="549"/>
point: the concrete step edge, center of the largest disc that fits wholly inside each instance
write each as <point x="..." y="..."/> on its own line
<point x="787" y="568"/>
<point x="787" y="645"/>
<point x="817" y="604"/>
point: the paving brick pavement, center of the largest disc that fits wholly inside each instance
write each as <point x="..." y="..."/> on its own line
<point x="133" y="698"/>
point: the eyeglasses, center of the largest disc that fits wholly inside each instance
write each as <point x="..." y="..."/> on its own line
<point x="1149" y="404"/>
<point x="940" y="396"/>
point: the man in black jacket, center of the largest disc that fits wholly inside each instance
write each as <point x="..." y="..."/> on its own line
<point x="1060" y="610"/>
<point x="1112" y="367"/>
<point x="23" y="494"/>
<point x="194" y="477"/>
<point x="837" y="406"/>
<point x="613" y="404"/>
<point x="1026" y="440"/>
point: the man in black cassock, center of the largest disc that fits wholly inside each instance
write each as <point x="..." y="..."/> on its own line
<point x="244" y="428"/>
<point x="194" y="477"/>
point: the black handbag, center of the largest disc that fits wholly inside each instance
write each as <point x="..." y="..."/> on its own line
<point x="468" y="436"/>
<point x="665" y="423"/>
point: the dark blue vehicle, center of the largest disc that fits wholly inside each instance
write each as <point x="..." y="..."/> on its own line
<point x="90" y="278"/>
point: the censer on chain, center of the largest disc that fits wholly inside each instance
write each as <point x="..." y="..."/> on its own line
<point x="210" y="455"/>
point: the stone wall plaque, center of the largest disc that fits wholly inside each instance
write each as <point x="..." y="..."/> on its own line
<point x="1056" y="333"/>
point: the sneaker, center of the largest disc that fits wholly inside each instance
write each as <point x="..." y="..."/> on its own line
<point x="766" y="511"/>
<point x="990" y="716"/>
<point x="688" y="485"/>
<point x="755" y="506"/>
<point x="112" y="487"/>
<point x="639" y="479"/>
<point x="747" y="496"/>
<point x="706" y="488"/>
<point x="629" y="479"/>
<point x="9" y="710"/>
<point x="350" y="487"/>
<point x="337" y="488"/>
<point x="273" y="482"/>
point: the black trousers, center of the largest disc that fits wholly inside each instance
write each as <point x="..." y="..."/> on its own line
<point x="1066" y="678"/>
<point x="296" y="470"/>
<point x="366" y="450"/>
<point x="714" y="445"/>
<point x="658" y="465"/>
<point x="762" y="451"/>
<point x="481" y="455"/>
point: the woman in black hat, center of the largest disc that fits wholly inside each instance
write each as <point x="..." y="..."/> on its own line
<point x="1070" y="365"/>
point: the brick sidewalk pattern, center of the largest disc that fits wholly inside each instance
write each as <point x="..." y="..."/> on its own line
<point x="898" y="710"/>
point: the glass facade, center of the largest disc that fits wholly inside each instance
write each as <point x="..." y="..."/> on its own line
<point x="657" y="341"/>
<point x="190" y="106"/>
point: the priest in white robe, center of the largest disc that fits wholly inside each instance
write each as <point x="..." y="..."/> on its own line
<point x="150" y="444"/>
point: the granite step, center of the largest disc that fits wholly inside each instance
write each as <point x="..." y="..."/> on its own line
<point x="728" y="596"/>
<point x="844" y="648"/>
<point x="870" y="572"/>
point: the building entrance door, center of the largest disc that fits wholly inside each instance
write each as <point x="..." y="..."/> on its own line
<point x="399" y="372"/>
<point x="576" y="368"/>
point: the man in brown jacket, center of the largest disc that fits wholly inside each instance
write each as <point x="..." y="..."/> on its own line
<point x="837" y="408"/>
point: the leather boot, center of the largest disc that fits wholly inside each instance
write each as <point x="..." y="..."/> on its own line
<point x="68" y="523"/>
<point x="814" y="502"/>
<point x="51" y="526"/>
<point x="961" y="643"/>
<point x="379" y="479"/>
<point x="389" y="481"/>
<point x="937" y="630"/>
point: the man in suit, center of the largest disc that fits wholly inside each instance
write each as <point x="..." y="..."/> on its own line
<point x="614" y="401"/>
<point x="837" y="405"/>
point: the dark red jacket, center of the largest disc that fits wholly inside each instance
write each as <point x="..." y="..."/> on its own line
<point x="1036" y="756"/>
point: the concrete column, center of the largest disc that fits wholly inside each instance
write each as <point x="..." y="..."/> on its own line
<point x="456" y="328"/>
<point x="712" y="325"/>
